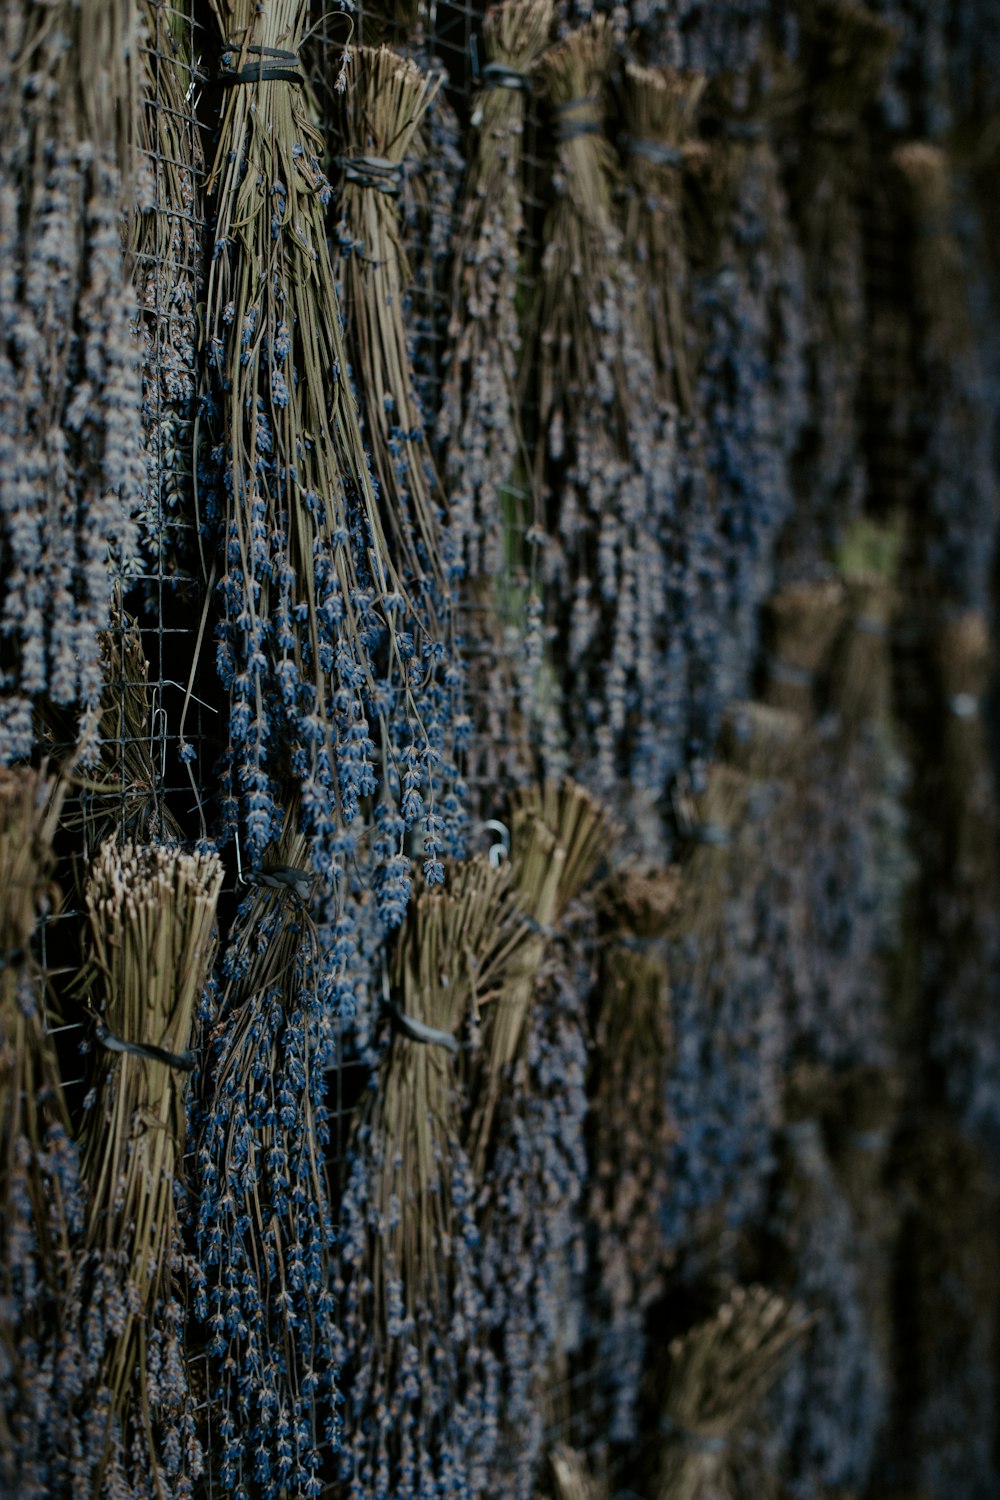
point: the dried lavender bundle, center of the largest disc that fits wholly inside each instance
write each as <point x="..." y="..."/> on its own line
<point x="571" y="1477"/>
<point x="151" y="917"/>
<point x="845" y="49"/>
<point x="166" y="249"/>
<point x="628" y="1128"/>
<point x="861" y="664"/>
<point x="388" y="99"/>
<point x="71" y="443"/>
<point x="531" y="1217"/>
<point x="420" y="1381"/>
<point x="660" y="107"/>
<point x="559" y="835"/>
<point x="319" y="647"/>
<point x="41" y="1203"/>
<point x="480" y="419"/>
<point x="747" y="309"/>
<point x="717" y="1376"/>
<point x="939" y="272"/>
<point x="828" y="1409"/>
<point x="264" y="1227"/>
<point x="801" y="622"/>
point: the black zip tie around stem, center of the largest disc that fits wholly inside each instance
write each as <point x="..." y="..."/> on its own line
<point x="657" y="152"/>
<point x="376" y="172"/>
<point x="275" y="66"/>
<point x="498" y="75"/>
<point x="569" y="129"/>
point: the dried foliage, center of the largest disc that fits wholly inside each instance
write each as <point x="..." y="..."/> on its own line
<point x="41" y="1202"/>
<point x="151" y="916"/>
<point x="71" y="442"/>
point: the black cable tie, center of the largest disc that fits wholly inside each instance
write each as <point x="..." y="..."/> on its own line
<point x="658" y="152"/>
<point x="712" y="834"/>
<point x="376" y="172"/>
<point x="744" y="130"/>
<point x="568" y="130"/>
<point x="419" y="1031"/>
<point x="498" y="75"/>
<point x="275" y="66"/>
<point x="283" y="878"/>
<point x="184" y="1062"/>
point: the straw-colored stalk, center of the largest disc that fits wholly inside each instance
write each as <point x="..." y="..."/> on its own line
<point x="660" y="107"/>
<point x="481" y="416"/>
<point x="717" y="1377"/>
<point x="582" y="260"/>
<point x="763" y="741"/>
<point x="965" y="663"/>
<point x="151" y="918"/>
<point x="278" y="361"/>
<point x="707" y="868"/>
<point x="388" y="99"/>
<point x="845" y="51"/>
<point x="940" y="280"/>
<point x="571" y="1477"/>
<point x="559" y="835"/>
<point x="121" y="787"/>
<point x="800" y="623"/>
<point x="39" y="1209"/>
<point x="459" y="952"/>
<point x="633" y="1044"/>
<point x="861" y="667"/>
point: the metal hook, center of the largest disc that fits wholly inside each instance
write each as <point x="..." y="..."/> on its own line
<point x="499" y="851"/>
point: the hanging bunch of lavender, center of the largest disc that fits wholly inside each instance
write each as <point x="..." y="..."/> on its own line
<point x="800" y="623"/>
<point x="829" y="1408"/>
<point x="844" y="52"/>
<point x="333" y="680"/>
<point x="388" y="100"/>
<point x="264" y="1227"/>
<point x="660" y="107"/>
<point x="480" y="419"/>
<point x="717" y="1376"/>
<point x="526" y="1087"/>
<point x="730" y="1039"/>
<point x="166" y="249"/>
<point x="559" y="835"/>
<point x="70" y="391"/>
<point x="628" y="1129"/>
<point x="151" y="917"/>
<point x="747" y="308"/>
<point x="41" y="1203"/>
<point x="955" y="397"/>
<point x="420" y="1382"/>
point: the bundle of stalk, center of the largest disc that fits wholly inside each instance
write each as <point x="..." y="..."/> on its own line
<point x="579" y="276"/>
<point x="660" y="106"/>
<point x="41" y="1206"/>
<point x="151" y="917"/>
<point x="388" y="99"/>
<point x="940" y="278"/>
<point x="719" y="815"/>
<point x="414" y="1341"/>
<point x="166" y="250"/>
<point x="828" y="1412"/>
<point x="861" y="665"/>
<point x="801" y="622"/>
<point x="315" y="640"/>
<point x="629" y="1129"/>
<point x="717" y="1377"/>
<point x="480" y="416"/>
<point x="264" y="1227"/>
<point x="70" y="389"/>
<point x="120" y="785"/>
<point x="559" y="834"/>
<point x="844" y="51"/>
<point x="571" y="1477"/>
